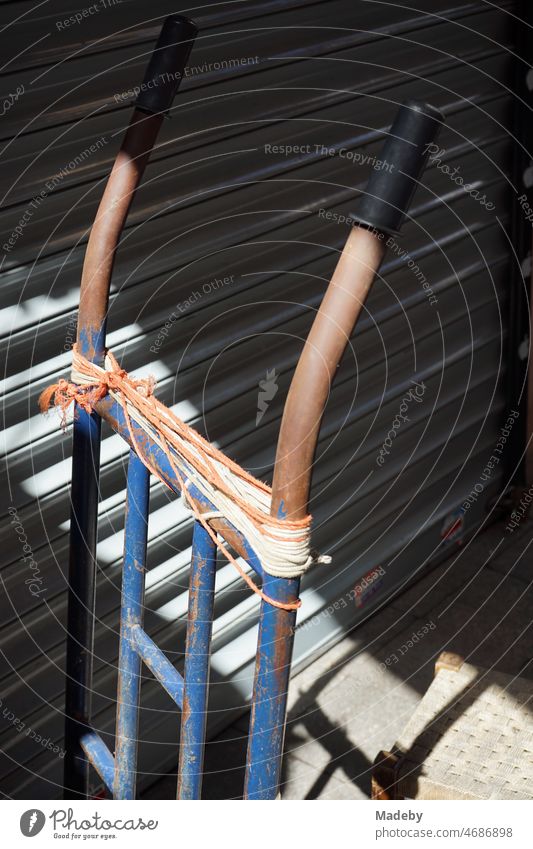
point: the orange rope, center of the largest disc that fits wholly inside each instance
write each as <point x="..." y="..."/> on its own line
<point x="140" y="394"/>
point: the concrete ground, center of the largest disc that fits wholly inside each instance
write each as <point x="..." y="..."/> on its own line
<point x="350" y="703"/>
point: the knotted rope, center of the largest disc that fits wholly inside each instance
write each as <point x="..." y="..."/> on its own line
<point x="282" y="547"/>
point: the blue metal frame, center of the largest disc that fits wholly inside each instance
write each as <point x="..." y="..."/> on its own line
<point x="190" y="692"/>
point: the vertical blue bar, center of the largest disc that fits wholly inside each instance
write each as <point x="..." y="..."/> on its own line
<point x="199" y="629"/>
<point x="269" y="702"/>
<point x="81" y="582"/>
<point x="131" y="614"/>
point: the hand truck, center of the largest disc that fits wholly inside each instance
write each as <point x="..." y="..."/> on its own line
<point x="380" y="213"/>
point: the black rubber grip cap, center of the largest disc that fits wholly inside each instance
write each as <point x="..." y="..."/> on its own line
<point x="391" y="187"/>
<point x="167" y="64"/>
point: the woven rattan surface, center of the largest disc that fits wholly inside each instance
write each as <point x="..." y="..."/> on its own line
<point x="471" y="737"/>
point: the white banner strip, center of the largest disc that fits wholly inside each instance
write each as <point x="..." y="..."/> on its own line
<point x="313" y="824"/>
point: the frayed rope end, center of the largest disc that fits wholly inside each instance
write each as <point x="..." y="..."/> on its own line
<point x="62" y="394"/>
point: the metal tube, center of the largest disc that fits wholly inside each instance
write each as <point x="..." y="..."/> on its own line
<point x="96" y="277"/>
<point x="99" y="756"/>
<point x="269" y="705"/>
<point x="159" y="665"/>
<point x="199" y="629"/>
<point x="317" y="367"/>
<point x="164" y="73"/>
<point x="382" y="209"/>
<point x="163" y="76"/>
<point x="131" y="616"/>
<point x="81" y="599"/>
<point x="112" y="212"/>
<point x="300" y="426"/>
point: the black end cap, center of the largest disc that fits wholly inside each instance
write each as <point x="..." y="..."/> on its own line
<point x="167" y="64"/>
<point x="389" y="192"/>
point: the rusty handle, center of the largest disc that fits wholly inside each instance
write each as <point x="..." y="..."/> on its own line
<point x="311" y="384"/>
<point x="163" y="76"/>
<point x="383" y="208"/>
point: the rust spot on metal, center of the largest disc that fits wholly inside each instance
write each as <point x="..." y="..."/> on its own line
<point x="185" y="710"/>
<point x="195" y="588"/>
<point x="282" y="649"/>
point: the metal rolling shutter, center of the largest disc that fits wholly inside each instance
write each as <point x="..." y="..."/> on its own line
<point x="230" y="245"/>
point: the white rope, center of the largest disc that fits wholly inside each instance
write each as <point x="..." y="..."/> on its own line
<point x="287" y="557"/>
